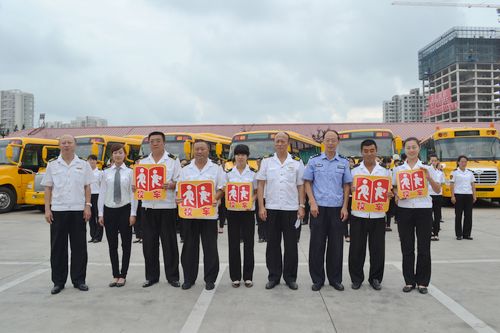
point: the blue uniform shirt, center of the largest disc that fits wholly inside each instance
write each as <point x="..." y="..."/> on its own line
<point x="328" y="177"/>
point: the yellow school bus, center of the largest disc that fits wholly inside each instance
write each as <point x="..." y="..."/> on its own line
<point x="261" y="143"/>
<point x="482" y="148"/>
<point x="98" y="145"/>
<point x="20" y="160"/>
<point x="388" y="144"/>
<point x="180" y="144"/>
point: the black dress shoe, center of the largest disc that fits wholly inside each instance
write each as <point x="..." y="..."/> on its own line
<point x="356" y="285"/>
<point x="56" y="289"/>
<point x="407" y="289"/>
<point x="175" y="284"/>
<point x="423" y="290"/>
<point x="91" y="241"/>
<point x="149" y="283"/>
<point x="459" y="238"/>
<point x="186" y="285"/>
<point x="316" y="286"/>
<point x="293" y="285"/>
<point x="112" y="284"/>
<point x="81" y="287"/>
<point x="469" y="238"/>
<point x="376" y="284"/>
<point x="209" y="286"/>
<point x="338" y="286"/>
<point x="271" y="284"/>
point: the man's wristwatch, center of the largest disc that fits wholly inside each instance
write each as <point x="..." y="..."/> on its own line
<point x="302" y="206"/>
<point x="88" y="204"/>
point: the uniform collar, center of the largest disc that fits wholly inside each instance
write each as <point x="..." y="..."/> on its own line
<point x="336" y="157"/>
<point x="205" y="167"/>
<point x="417" y="165"/>
<point x="247" y="168"/>
<point x="363" y="166"/>
<point x="123" y="166"/>
<point x="288" y="158"/>
<point x="74" y="160"/>
<point x="163" y="158"/>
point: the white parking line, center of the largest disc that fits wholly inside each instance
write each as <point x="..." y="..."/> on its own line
<point x="193" y="322"/>
<point x="477" y="324"/>
<point x="21" y="279"/>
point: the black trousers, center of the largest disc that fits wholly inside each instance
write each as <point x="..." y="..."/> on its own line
<point x="159" y="224"/>
<point x="411" y="222"/>
<point x="348" y="221"/>
<point x="116" y="220"/>
<point x="282" y="222"/>
<point x="436" y="212"/>
<point x="241" y="225"/>
<point x="68" y="223"/>
<point x="463" y="206"/>
<point x="96" y="230"/>
<point x="138" y="221"/>
<point x="190" y="257"/>
<point x="329" y="229"/>
<point x="261" y="225"/>
<point x="390" y="213"/>
<point x="373" y="231"/>
<point x="222" y="212"/>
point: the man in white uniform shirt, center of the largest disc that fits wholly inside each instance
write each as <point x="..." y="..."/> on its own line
<point x="281" y="177"/>
<point x="201" y="168"/>
<point x="96" y="230"/>
<point x="67" y="209"/>
<point x="437" y="198"/>
<point x="160" y="218"/>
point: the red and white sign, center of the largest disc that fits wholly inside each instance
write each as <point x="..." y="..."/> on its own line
<point x="439" y="103"/>
<point x="149" y="180"/>
<point x="411" y="184"/>
<point x="371" y="194"/>
<point x="239" y="196"/>
<point x="197" y="198"/>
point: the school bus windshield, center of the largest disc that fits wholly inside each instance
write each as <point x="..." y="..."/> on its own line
<point x="475" y="148"/>
<point x="15" y="156"/>
<point x="352" y="147"/>
<point x="84" y="148"/>
<point x="258" y="148"/>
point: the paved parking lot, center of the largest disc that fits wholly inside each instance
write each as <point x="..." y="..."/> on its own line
<point x="464" y="295"/>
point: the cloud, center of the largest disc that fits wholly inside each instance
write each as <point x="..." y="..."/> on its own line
<point x="194" y="61"/>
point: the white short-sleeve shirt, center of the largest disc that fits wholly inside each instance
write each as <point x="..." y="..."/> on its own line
<point x="462" y="181"/>
<point x="423" y="202"/>
<point x="173" y="166"/>
<point x="210" y="171"/>
<point x="94" y="187"/>
<point x="378" y="170"/>
<point x="247" y="176"/>
<point x="68" y="183"/>
<point x="441" y="180"/>
<point x="281" y="190"/>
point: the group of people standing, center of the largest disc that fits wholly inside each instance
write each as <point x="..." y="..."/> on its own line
<point x="281" y="186"/>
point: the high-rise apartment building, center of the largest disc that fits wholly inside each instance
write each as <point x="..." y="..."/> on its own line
<point x="460" y="71"/>
<point x="16" y="110"/>
<point x="404" y="108"/>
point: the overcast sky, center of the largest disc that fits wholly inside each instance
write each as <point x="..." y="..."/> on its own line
<point x="218" y="61"/>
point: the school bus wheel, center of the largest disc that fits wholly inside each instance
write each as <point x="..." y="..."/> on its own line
<point x="7" y="199"/>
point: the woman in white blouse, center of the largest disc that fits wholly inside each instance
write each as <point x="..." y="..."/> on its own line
<point x="117" y="212"/>
<point x="415" y="219"/>
<point x="463" y="196"/>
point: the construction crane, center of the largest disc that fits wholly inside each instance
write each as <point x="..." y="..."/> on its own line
<point x="449" y="4"/>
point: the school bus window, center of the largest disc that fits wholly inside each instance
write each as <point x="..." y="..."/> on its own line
<point x="31" y="157"/>
<point x="15" y="150"/>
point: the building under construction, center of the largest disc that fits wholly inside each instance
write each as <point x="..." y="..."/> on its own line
<point x="460" y="72"/>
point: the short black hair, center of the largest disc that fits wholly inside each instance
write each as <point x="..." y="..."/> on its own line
<point x="462" y="156"/>
<point x="157" y="133"/>
<point x="433" y="155"/>
<point x="116" y="147"/>
<point x="201" y="140"/>
<point x="368" y="142"/>
<point x="241" y="149"/>
<point x="92" y="157"/>
<point x="333" y="131"/>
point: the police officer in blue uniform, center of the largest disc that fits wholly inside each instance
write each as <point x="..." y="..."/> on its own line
<point x="327" y="181"/>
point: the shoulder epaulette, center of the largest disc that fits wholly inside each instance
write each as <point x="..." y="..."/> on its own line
<point x="315" y="155"/>
<point x="253" y="169"/>
<point x="52" y="159"/>
<point x="267" y="156"/>
<point x="296" y="158"/>
<point x="356" y="165"/>
<point x="172" y="156"/>
<point x="229" y="170"/>
<point x="342" y="156"/>
<point x="470" y="170"/>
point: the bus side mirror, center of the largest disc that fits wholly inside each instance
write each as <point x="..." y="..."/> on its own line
<point x="398" y="143"/>
<point x="187" y="149"/>
<point x="44" y="154"/>
<point x="218" y="149"/>
<point x="126" y="148"/>
<point x="289" y="149"/>
<point x="9" y="152"/>
<point x="95" y="149"/>
<point x="322" y="147"/>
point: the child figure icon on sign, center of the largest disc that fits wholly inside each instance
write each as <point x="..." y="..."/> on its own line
<point x="243" y="193"/>
<point x="233" y="196"/>
<point x="188" y="196"/>
<point x="156" y="178"/>
<point x="364" y="190"/>
<point x="417" y="181"/>
<point x="141" y="179"/>
<point x="379" y="191"/>
<point x="204" y="195"/>
<point x="405" y="182"/>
